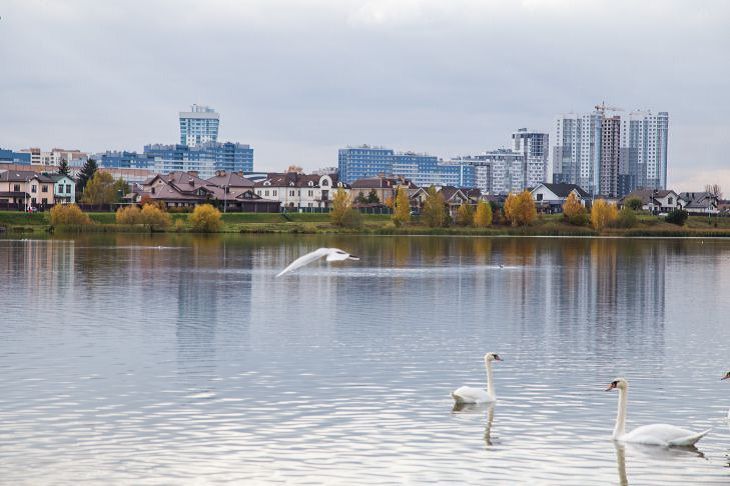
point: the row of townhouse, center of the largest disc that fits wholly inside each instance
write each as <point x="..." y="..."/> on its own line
<point x="26" y="189"/>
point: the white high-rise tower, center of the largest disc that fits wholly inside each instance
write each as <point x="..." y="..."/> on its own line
<point x="199" y="125"/>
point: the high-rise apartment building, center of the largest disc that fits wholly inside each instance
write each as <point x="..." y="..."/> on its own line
<point x="498" y="171"/>
<point x="611" y="155"/>
<point x="205" y="158"/>
<point x="533" y="146"/>
<point x="199" y="125"/>
<point x="364" y="161"/>
<point x="643" y="157"/>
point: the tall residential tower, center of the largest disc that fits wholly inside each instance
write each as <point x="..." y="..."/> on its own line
<point x="199" y="125"/>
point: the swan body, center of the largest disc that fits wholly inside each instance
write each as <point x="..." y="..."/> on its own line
<point x="664" y="435"/>
<point x="332" y="254"/>
<point x="727" y="375"/>
<point x="468" y="394"/>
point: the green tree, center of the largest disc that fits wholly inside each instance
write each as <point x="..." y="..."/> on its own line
<point x="121" y="188"/>
<point x="626" y="218"/>
<point x="401" y="206"/>
<point x="483" y="216"/>
<point x="100" y="189"/>
<point x="434" y="209"/>
<point x="87" y="172"/>
<point x="633" y="203"/>
<point x="465" y="215"/>
<point x="677" y="216"/>
<point x="373" y="197"/>
<point x="63" y="168"/>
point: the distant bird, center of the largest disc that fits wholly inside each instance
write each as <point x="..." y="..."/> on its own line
<point x="501" y="266"/>
<point x="332" y="254"/>
<point x="468" y="394"/>
<point x="655" y="434"/>
<point x="727" y="375"/>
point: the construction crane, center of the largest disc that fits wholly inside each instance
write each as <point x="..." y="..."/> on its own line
<point x="602" y="107"/>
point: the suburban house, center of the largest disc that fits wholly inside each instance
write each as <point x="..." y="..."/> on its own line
<point x="26" y="188"/>
<point x="64" y="188"/>
<point x="453" y="197"/>
<point x="383" y="187"/>
<point x="294" y="190"/>
<point x="186" y="189"/>
<point x="549" y="198"/>
<point x="654" y="200"/>
<point x="699" y="202"/>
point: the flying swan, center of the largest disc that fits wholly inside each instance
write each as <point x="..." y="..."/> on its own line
<point x="727" y="375"/>
<point x="655" y="434"/>
<point x="332" y="254"/>
<point x="468" y="394"/>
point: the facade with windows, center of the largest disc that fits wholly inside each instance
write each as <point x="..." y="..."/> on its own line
<point x="25" y="188"/>
<point x="294" y="190"/>
<point x="64" y="188"/>
<point x="199" y="125"/>
<point x="10" y="157"/>
<point x="364" y="161"/>
<point x="498" y="171"/>
<point x="534" y="147"/>
<point x="643" y="157"/>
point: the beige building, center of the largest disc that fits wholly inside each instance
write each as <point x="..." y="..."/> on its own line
<point x="25" y="188"/>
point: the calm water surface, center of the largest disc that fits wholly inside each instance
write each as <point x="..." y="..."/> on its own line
<point x="178" y="359"/>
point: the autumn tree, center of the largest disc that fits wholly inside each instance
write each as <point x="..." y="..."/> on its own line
<point x="434" y="209"/>
<point x="342" y="213"/>
<point x="401" y="206"/>
<point x="295" y="168"/>
<point x="100" y="189"/>
<point x="603" y="214"/>
<point x="68" y="214"/>
<point x="519" y="209"/>
<point x="483" y="215"/>
<point x="465" y="215"/>
<point x="574" y="211"/>
<point x="205" y="219"/>
<point x="714" y="189"/>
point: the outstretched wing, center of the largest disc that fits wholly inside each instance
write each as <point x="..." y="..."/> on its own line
<point x="304" y="259"/>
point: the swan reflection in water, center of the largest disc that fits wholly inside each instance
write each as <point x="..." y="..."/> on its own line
<point x="651" y="452"/>
<point x="478" y="408"/>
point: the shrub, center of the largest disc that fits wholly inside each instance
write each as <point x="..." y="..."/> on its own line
<point x="626" y="218"/>
<point x="179" y="225"/>
<point x="434" y="209"/>
<point x="351" y="219"/>
<point x="155" y="217"/>
<point x="603" y="214"/>
<point x="465" y="215"/>
<point x="633" y="203"/>
<point x="205" y="219"/>
<point x="128" y="215"/>
<point x="68" y="214"/>
<point x="678" y="217"/>
<point x="483" y="216"/>
<point x="519" y="209"/>
<point x="580" y="219"/>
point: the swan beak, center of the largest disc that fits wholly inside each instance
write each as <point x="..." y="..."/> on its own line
<point x="610" y="387"/>
<point x="353" y="257"/>
<point x="725" y="377"/>
<point x="497" y="358"/>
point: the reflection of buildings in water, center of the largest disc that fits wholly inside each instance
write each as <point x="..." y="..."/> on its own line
<point x="45" y="267"/>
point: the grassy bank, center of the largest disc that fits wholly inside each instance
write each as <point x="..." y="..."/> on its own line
<point x="310" y="223"/>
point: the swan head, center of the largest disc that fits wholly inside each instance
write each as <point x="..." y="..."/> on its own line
<point x="336" y="255"/>
<point x="492" y="357"/>
<point x="727" y="375"/>
<point x="619" y="383"/>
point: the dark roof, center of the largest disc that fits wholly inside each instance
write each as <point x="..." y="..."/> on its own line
<point x="230" y="179"/>
<point x="562" y="189"/>
<point x="23" y="176"/>
<point x="381" y="182"/>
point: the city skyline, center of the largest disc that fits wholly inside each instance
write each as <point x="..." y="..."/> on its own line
<point x="382" y="73"/>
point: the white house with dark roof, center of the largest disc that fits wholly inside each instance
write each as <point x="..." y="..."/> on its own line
<point x="655" y="200"/>
<point x="551" y="197"/>
<point x="699" y="202"/>
<point x="294" y="190"/>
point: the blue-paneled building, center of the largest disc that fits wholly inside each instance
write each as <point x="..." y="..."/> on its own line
<point x="205" y="158"/>
<point x="123" y="160"/>
<point x="10" y="157"/>
<point x="422" y="169"/>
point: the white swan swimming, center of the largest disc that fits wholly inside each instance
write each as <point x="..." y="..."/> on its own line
<point x="468" y="394"/>
<point x="655" y="434"/>
<point x="332" y="254"/>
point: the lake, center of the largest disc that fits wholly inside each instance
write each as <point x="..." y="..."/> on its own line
<point x="181" y="359"/>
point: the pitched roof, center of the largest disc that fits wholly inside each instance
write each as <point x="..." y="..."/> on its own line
<point x="562" y="189"/>
<point x="230" y="179"/>
<point x="23" y="176"/>
<point x="382" y="182"/>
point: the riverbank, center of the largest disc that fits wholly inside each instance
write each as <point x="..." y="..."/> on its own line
<point x="310" y="223"/>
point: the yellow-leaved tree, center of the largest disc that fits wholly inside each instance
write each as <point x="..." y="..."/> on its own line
<point x="100" y="189"/>
<point x="603" y="214"/>
<point x="519" y="209"/>
<point x="343" y="214"/>
<point x="68" y="215"/>
<point x="205" y="219"/>
<point x="434" y="209"/>
<point x="574" y="211"/>
<point x="465" y="215"/>
<point x="401" y="206"/>
<point x="483" y="215"/>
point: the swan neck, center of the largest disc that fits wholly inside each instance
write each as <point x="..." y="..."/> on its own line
<point x="620" y="427"/>
<point x="490" y="382"/>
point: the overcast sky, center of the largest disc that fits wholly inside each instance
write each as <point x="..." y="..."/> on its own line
<point x="299" y="79"/>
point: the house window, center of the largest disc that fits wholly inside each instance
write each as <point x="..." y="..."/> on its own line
<point x="325" y="183"/>
<point x="45" y="200"/>
<point x="153" y="190"/>
<point x="291" y="193"/>
<point x="44" y="188"/>
<point x="670" y="200"/>
<point x="539" y="197"/>
<point x="34" y="188"/>
<point x="16" y="187"/>
<point x="273" y="193"/>
<point x="68" y="188"/>
<point x="310" y="193"/>
<point x="266" y="193"/>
